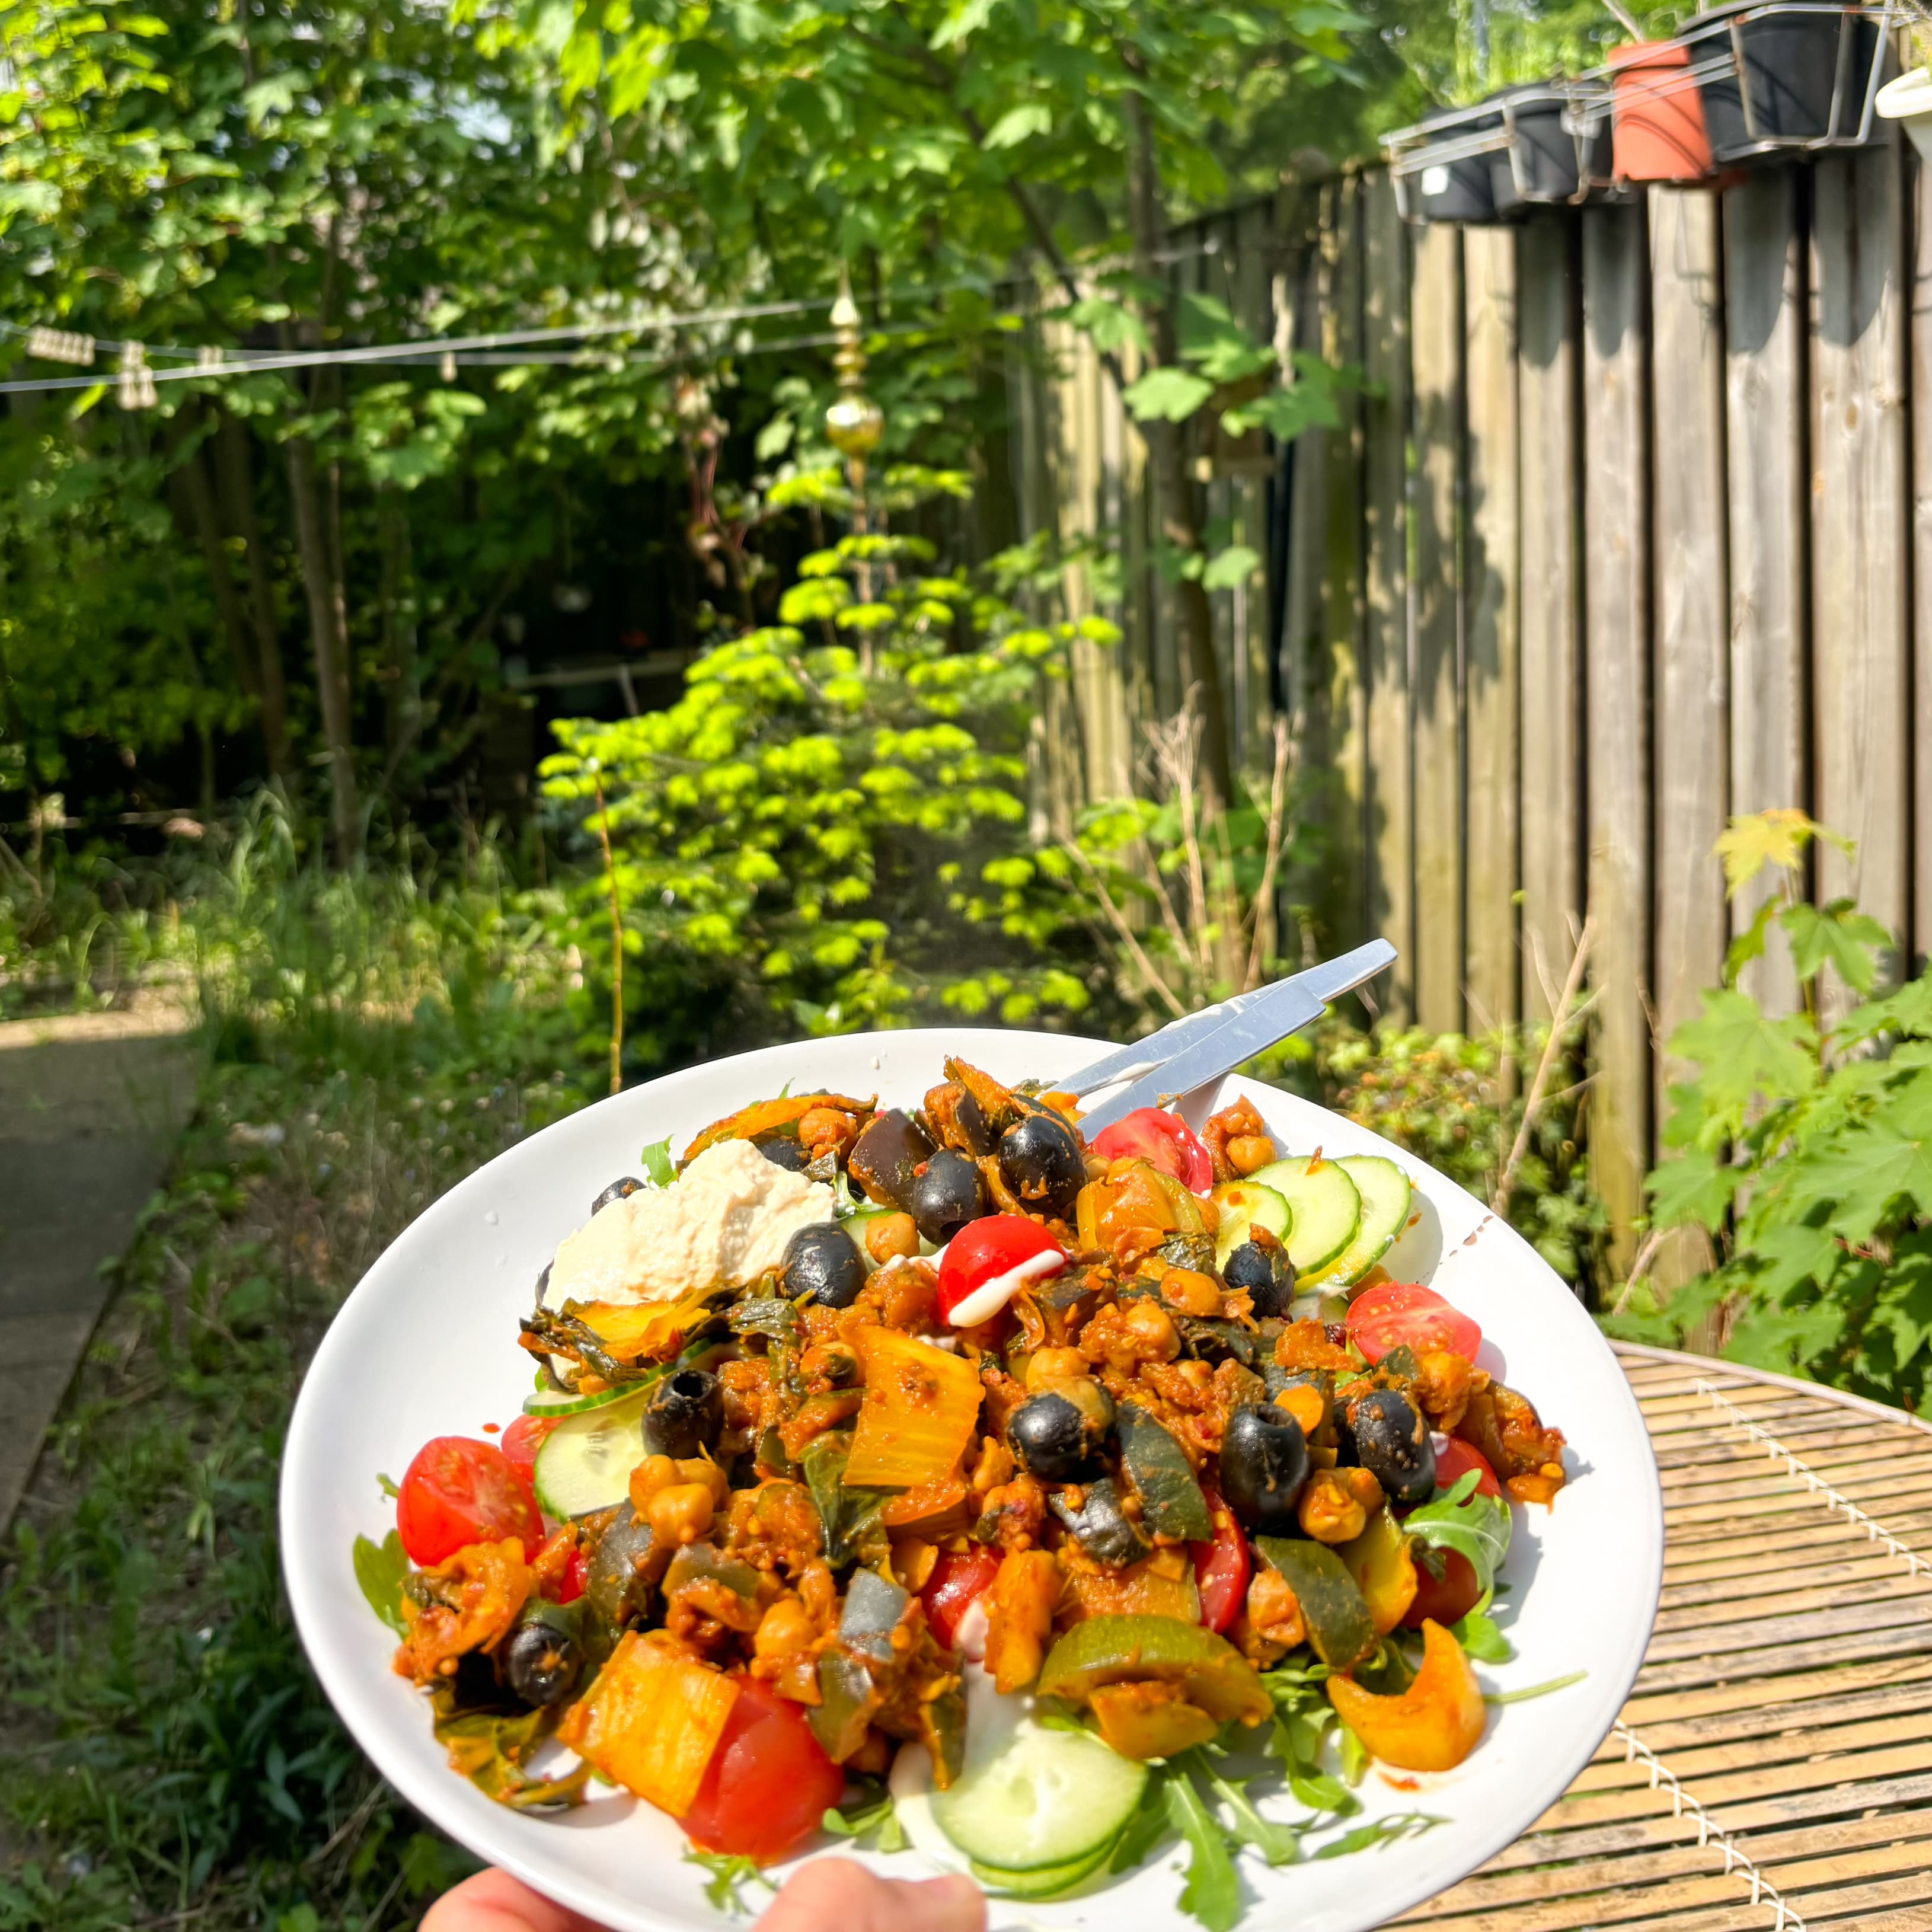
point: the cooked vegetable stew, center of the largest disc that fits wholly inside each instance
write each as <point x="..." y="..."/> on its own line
<point x="942" y="1439"/>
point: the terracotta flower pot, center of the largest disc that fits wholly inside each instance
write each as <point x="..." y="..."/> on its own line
<point x="1661" y="134"/>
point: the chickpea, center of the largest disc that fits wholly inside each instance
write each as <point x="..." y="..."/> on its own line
<point x="823" y="1128"/>
<point x="1153" y="1331"/>
<point x="892" y="1237"/>
<point x="1049" y="1365"/>
<point x="1329" y="1511"/>
<point x="784" y="1629"/>
<point x="873" y="1758"/>
<point x="702" y="1469"/>
<point x="1191" y="1292"/>
<point x="653" y="1474"/>
<point x="1274" y="1611"/>
<point x="1249" y="1154"/>
<point x="682" y="1514"/>
<point x="913" y="1561"/>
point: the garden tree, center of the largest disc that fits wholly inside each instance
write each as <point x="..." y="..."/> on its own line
<point x="928" y="140"/>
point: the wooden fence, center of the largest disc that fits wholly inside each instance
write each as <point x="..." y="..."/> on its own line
<point x="1624" y="541"/>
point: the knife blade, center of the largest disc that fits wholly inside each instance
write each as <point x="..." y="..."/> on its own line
<point x="1240" y="1031"/>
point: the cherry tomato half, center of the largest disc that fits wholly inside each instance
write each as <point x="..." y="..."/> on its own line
<point x="769" y="1783"/>
<point x="520" y="1442"/>
<point x="1447" y="1598"/>
<point x="1456" y="1458"/>
<point x="1151" y="1134"/>
<point x="957" y="1583"/>
<point x="576" y="1576"/>
<point x="1399" y="1313"/>
<point x="1222" y="1569"/>
<point x="990" y="1259"/>
<point x="459" y="1491"/>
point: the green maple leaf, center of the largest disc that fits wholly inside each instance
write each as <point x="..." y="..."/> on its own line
<point x="1745" y="1057"/>
<point x="1695" y="1187"/>
<point x="1838" y="936"/>
<point x="1774" y="838"/>
<point x="1171" y="394"/>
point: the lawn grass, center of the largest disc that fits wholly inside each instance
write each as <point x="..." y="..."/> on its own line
<point x="171" y="1760"/>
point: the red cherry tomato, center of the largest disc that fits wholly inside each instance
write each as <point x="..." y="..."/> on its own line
<point x="1401" y="1312"/>
<point x="957" y="1583"/>
<point x="769" y="1783"/>
<point x="1149" y="1133"/>
<point x="1447" y="1598"/>
<point x="459" y="1491"/>
<point x="1456" y="1458"/>
<point x="576" y="1574"/>
<point x="987" y="1260"/>
<point x="1222" y="1569"/>
<point x="520" y="1442"/>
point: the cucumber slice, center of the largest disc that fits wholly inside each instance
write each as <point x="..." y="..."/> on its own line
<point x="1324" y="1208"/>
<point x="1043" y="1801"/>
<point x="549" y="1401"/>
<point x="1385" y="1192"/>
<point x="1245" y="1204"/>
<point x="1048" y="1881"/>
<point x="586" y="1461"/>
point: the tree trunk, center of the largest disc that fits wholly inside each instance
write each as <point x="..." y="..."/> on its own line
<point x="1174" y="489"/>
<point x="234" y="476"/>
<point x="403" y="690"/>
<point x="193" y="502"/>
<point x="328" y="635"/>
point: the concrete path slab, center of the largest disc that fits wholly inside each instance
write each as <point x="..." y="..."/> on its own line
<point x="90" y="1104"/>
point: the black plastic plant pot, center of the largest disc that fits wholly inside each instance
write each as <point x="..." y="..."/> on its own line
<point x="1800" y="75"/>
<point x="1460" y="187"/>
<point x="1539" y="164"/>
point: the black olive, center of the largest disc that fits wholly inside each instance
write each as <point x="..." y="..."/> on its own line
<point x="949" y="1193"/>
<point x="542" y="1660"/>
<point x="821" y="1261"/>
<point x="1042" y="1159"/>
<point x="619" y="1190"/>
<point x="787" y="1154"/>
<point x="625" y="1563"/>
<point x="1056" y="1436"/>
<point x="685" y="1414"/>
<point x="1264" y="1466"/>
<point x="885" y="1159"/>
<point x="1102" y="1529"/>
<point x="1392" y="1443"/>
<point x="1264" y="1270"/>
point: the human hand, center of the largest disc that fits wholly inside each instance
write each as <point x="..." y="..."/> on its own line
<point x="827" y="1895"/>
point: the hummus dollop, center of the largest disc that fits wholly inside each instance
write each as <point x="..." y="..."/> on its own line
<point x="723" y="1222"/>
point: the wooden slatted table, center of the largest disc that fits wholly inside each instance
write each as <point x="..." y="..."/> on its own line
<point x="1773" y="1767"/>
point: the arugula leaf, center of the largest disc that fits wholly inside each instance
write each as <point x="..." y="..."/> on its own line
<point x="730" y="1873"/>
<point x="1476" y="1527"/>
<point x="657" y="1164"/>
<point x="1381" y="1831"/>
<point x="871" y="1814"/>
<point x="1145" y="1829"/>
<point x="387" y="1484"/>
<point x="1213" y="1892"/>
<point x="1478" y="1634"/>
<point x="1279" y="1844"/>
<point x="1523" y="1696"/>
<point x="1355" y="1757"/>
<point x="380" y="1569"/>
<point x="1325" y="1792"/>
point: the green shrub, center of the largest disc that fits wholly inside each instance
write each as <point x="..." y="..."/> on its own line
<point x="1800" y="1150"/>
<point x="830" y="829"/>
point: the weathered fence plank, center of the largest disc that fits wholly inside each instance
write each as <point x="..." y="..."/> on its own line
<point x="1617" y="600"/>
<point x="1859" y="525"/>
<point x="1766" y="417"/>
<point x="1550" y="403"/>
<point x="1437" y="357"/>
<point x="1389" y="801"/>
<point x="1491" y="605"/>
<point x="1691" y="675"/>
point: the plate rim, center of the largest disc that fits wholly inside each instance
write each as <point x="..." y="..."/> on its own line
<point x="439" y="1795"/>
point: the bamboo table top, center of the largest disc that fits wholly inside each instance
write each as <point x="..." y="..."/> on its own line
<point x="1773" y="1767"/>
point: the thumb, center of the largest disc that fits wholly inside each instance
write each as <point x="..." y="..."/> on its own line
<point x="838" y="1895"/>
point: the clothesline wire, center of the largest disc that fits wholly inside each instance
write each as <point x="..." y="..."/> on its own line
<point x="253" y="361"/>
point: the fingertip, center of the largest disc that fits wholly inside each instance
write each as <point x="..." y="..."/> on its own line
<point x="954" y="1903"/>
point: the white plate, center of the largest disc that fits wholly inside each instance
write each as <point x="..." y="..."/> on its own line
<point x="425" y="1346"/>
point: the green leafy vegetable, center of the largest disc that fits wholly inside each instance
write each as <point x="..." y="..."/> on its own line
<point x="1478" y="1634"/>
<point x="1213" y="1892"/>
<point x="1523" y="1696"/>
<point x="1380" y="1831"/>
<point x="871" y="1814"/>
<point x="658" y="1166"/>
<point x="491" y="1748"/>
<point x="730" y="1873"/>
<point x="379" y="1570"/>
<point x="850" y="1515"/>
<point x="387" y="1485"/>
<point x="1476" y="1527"/>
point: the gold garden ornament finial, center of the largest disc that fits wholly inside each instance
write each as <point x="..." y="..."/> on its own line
<point x="854" y="423"/>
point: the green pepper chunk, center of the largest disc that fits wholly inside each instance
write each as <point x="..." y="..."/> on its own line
<point x="1171" y="1503"/>
<point x="1209" y="1672"/>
